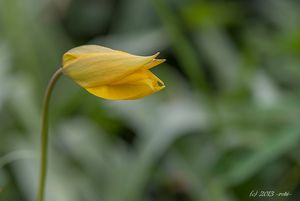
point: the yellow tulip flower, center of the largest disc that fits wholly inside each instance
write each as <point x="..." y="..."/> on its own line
<point x="112" y="74"/>
<point x="106" y="73"/>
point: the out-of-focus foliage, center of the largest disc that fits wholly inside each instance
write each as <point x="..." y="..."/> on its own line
<point x="226" y="124"/>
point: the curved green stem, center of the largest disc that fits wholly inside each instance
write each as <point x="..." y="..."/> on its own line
<point x="44" y="134"/>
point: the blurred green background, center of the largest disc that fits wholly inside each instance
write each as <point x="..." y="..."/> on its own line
<point x="227" y="124"/>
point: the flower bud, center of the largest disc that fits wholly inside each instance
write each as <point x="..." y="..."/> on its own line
<point x="112" y="74"/>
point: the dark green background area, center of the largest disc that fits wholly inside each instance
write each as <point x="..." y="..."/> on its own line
<point x="227" y="123"/>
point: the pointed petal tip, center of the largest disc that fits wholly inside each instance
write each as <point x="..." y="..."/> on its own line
<point x="158" y="60"/>
<point x="155" y="55"/>
<point x="153" y="63"/>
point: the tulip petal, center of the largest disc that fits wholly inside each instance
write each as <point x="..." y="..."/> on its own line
<point x="76" y="52"/>
<point x="89" y="49"/>
<point x="153" y="63"/>
<point x="134" y="86"/>
<point x="92" y="70"/>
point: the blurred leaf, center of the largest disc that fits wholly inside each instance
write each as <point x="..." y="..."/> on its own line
<point x="206" y="13"/>
<point x="184" y="51"/>
<point x="278" y="145"/>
